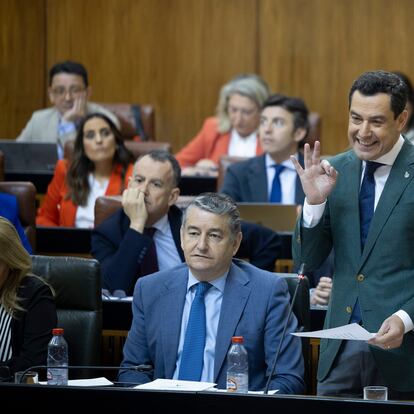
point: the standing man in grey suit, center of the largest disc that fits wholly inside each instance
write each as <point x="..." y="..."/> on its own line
<point x="240" y="300"/>
<point x="283" y="126"/>
<point x="69" y="92"/>
<point x="361" y="203"/>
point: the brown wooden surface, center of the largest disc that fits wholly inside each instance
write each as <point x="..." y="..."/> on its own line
<point x="22" y="63"/>
<point x="177" y="54"/>
<point x="174" y="54"/>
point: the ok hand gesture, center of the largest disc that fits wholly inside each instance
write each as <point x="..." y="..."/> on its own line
<point x="318" y="178"/>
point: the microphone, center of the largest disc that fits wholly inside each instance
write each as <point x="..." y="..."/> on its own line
<point x="137" y="368"/>
<point x="301" y="276"/>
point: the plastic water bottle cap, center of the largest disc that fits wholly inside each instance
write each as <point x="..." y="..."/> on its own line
<point x="237" y="340"/>
<point x="57" y="331"/>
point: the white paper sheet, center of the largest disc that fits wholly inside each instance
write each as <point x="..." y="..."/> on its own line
<point x="352" y="331"/>
<point x="176" y="385"/>
<point x="271" y="392"/>
<point x="88" y="382"/>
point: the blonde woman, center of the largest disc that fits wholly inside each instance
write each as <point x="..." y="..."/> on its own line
<point x="233" y="131"/>
<point x="27" y="308"/>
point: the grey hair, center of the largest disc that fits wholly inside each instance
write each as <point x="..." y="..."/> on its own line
<point x="249" y="85"/>
<point x="219" y="204"/>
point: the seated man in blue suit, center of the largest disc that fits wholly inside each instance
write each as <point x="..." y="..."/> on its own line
<point x="10" y="210"/>
<point x="272" y="177"/>
<point x="239" y="300"/>
<point x="122" y="243"/>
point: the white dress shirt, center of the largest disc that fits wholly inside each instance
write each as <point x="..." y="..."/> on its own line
<point x="85" y="215"/>
<point x="167" y="254"/>
<point x="287" y="179"/>
<point x="242" y="146"/>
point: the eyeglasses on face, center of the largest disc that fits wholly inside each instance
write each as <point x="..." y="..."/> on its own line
<point x="61" y="91"/>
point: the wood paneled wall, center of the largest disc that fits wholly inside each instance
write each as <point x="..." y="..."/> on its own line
<point x="176" y="54"/>
<point x="22" y="63"/>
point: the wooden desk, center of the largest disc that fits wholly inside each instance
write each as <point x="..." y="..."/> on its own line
<point x="117" y="319"/>
<point x="117" y="399"/>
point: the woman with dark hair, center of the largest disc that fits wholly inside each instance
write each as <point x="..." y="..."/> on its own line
<point x="27" y="307"/>
<point x="101" y="165"/>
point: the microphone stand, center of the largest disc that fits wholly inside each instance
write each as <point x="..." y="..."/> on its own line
<point x="138" y="368"/>
<point x="301" y="276"/>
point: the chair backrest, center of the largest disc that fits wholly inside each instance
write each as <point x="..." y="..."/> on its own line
<point x="105" y="206"/>
<point x="315" y="128"/>
<point x="224" y="163"/>
<point x="136" y="120"/>
<point x="77" y="285"/>
<point x="301" y="309"/>
<point x="25" y="193"/>
<point x="1" y="166"/>
<point x="137" y="148"/>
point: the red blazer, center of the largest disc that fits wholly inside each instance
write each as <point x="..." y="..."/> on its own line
<point x="56" y="210"/>
<point x="208" y="143"/>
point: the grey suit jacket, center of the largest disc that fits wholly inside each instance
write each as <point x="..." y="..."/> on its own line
<point x="43" y="125"/>
<point x="382" y="276"/>
<point x="246" y="181"/>
<point x="255" y="305"/>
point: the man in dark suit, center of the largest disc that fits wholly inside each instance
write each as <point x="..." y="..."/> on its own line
<point x="361" y="203"/>
<point x="238" y="300"/>
<point x="283" y="125"/>
<point x="122" y="243"/>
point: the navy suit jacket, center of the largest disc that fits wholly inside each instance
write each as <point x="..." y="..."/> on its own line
<point x="246" y="181"/>
<point x="255" y="305"/>
<point x="120" y="250"/>
<point x="10" y="210"/>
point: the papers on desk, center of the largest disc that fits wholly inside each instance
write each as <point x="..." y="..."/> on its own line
<point x="175" y="385"/>
<point x="88" y="382"/>
<point x="352" y="331"/>
<point x="271" y="392"/>
<point x="179" y="385"/>
<point x="109" y="298"/>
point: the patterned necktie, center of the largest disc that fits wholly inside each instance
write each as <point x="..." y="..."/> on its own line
<point x="150" y="262"/>
<point x="276" y="193"/>
<point x="366" y="211"/>
<point x="191" y="365"/>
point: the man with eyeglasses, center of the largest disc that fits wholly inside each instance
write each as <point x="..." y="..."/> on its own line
<point x="69" y="92"/>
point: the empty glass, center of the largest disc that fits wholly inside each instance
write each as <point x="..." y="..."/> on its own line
<point x="375" y="392"/>
<point x="30" y="377"/>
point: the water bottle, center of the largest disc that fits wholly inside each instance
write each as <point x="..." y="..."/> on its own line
<point x="57" y="356"/>
<point x="237" y="366"/>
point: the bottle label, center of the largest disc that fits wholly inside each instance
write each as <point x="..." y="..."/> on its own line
<point x="237" y="382"/>
<point x="231" y="384"/>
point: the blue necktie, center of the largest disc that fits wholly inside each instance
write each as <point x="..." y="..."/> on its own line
<point x="367" y="198"/>
<point x="276" y="193"/>
<point x="366" y="211"/>
<point x="191" y="365"/>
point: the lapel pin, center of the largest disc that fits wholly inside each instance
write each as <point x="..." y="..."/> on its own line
<point x="407" y="174"/>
